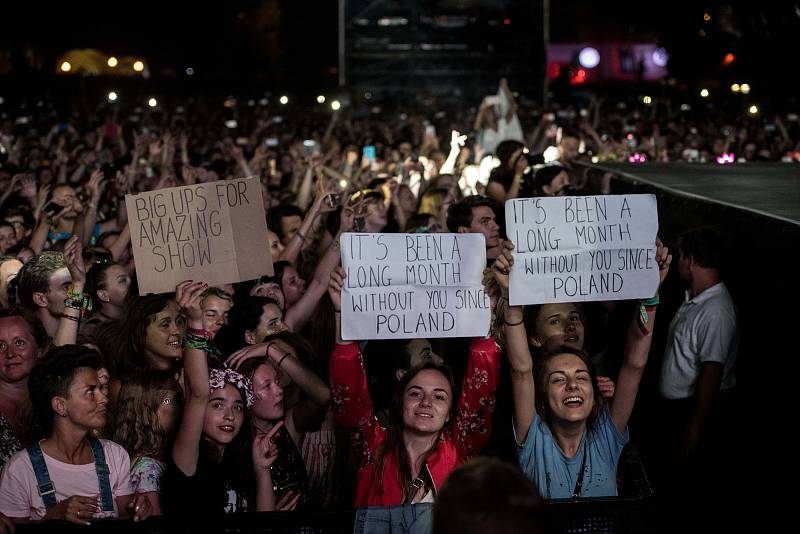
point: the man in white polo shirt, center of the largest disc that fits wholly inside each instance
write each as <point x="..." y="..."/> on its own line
<point x="697" y="372"/>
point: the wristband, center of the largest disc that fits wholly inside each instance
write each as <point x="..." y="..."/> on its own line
<point x="280" y="363"/>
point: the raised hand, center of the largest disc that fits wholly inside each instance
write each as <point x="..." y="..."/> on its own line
<point x="335" y="287"/>
<point x="265" y="450"/>
<point x="259" y="350"/>
<point x="456" y="139"/>
<point x="96" y="185"/>
<point x="28" y="187"/>
<point x="663" y="258"/>
<point x="501" y="268"/>
<point x="73" y="259"/>
<point x="188" y="295"/>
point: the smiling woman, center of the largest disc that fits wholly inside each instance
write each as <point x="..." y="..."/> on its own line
<point x="427" y="435"/>
<point x="149" y="337"/>
<point x="568" y="442"/>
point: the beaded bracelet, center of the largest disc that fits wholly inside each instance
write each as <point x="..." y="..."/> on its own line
<point x="194" y="344"/>
<point x="194" y="337"/>
<point x="78" y="301"/>
<point x="646" y="306"/>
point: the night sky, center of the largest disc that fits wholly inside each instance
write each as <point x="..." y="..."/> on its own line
<point x="294" y="42"/>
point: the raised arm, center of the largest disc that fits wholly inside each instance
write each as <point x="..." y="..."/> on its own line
<point x="517" y="350"/>
<point x="303" y="416"/>
<point x="637" y="347"/>
<point x="186" y="450"/>
<point x="299" y="314"/>
<point x="67" y="329"/>
<point x="352" y="405"/>
<point x="456" y="142"/>
<point x="322" y="204"/>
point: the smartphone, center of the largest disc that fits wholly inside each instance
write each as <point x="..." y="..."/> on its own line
<point x="53" y="208"/>
<point x="109" y="171"/>
<point x="332" y="200"/>
<point x="769" y="127"/>
<point x="791" y="117"/>
<point x="242" y="141"/>
<point x="430" y="130"/>
<point x="493" y="100"/>
<point x="271" y="141"/>
<point x="309" y="146"/>
<point x="277" y="119"/>
<point x="369" y="152"/>
<point x="358" y="224"/>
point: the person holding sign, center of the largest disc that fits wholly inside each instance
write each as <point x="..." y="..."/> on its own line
<point x="568" y="441"/>
<point x="427" y="437"/>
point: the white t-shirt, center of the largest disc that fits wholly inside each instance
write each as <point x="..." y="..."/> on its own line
<point x="19" y="494"/>
<point x="704" y="329"/>
<point x="488" y="139"/>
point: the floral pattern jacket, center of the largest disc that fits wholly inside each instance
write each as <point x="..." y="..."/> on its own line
<point x="352" y="407"/>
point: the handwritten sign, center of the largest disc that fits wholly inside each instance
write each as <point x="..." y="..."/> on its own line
<point x="214" y="232"/>
<point x="414" y="286"/>
<point x="569" y="249"/>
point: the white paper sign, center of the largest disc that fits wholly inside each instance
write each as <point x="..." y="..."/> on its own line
<point x="414" y="286"/>
<point x="569" y="249"/>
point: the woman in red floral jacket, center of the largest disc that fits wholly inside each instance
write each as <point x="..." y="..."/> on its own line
<point x="425" y="439"/>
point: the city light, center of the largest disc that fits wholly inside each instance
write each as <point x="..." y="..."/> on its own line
<point x="753" y="109"/>
<point x="284" y="100"/>
<point x="189" y="71"/>
<point x="706" y="17"/>
<point x="152" y="102"/>
<point x="745" y="88"/>
<point x="112" y="96"/>
<point x="335" y="105"/>
<point x="660" y="57"/>
<point x="735" y="88"/>
<point x="728" y="59"/>
<point x="725" y="159"/>
<point x="647" y="100"/>
<point x="112" y="62"/>
<point x="704" y="93"/>
<point x="589" y="57"/>
<point x="320" y="99"/>
<point x="138" y="66"/>
<point x="66" y="67"/>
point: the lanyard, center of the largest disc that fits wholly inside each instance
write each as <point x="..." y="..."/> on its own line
<point x="579" y="483"/>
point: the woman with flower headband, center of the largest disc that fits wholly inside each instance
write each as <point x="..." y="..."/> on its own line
<point x="206" y="470"/>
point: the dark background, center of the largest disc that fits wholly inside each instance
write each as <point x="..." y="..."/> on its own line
<point x="293" y="43"/>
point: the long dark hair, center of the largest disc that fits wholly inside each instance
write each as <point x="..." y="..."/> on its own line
<point x="128" y="357"/>
<point x="393" y="444"/>
<point x="540" y="377"/>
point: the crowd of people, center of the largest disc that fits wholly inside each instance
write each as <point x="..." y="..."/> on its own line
<point x="244" y="397"/>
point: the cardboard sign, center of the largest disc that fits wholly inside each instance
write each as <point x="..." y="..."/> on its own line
<point x="569" y="249"/>
<point x="414" y="286"/>
<point x="214" y="232"/>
